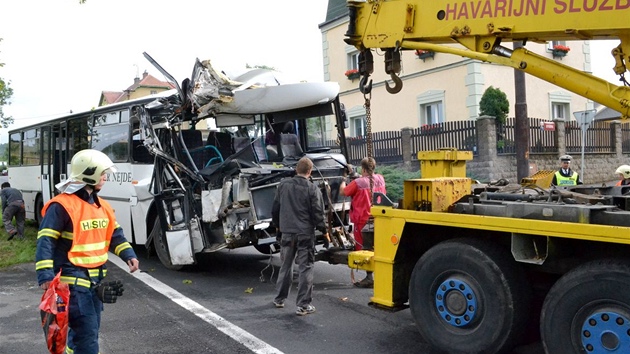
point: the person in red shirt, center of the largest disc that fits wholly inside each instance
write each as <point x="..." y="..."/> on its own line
<point x="361" y="191"/>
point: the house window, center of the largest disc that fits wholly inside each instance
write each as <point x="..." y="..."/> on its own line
<point x="560" y="111"/>
<point x="153" y="92"/>
<point x="352" y="55"/>
<point x="552" y="44"/>
<point x="560" y="105"/>
<point x="358" y="126"/>
<point x="431" y="107"/>
<point x="432" y="113"/>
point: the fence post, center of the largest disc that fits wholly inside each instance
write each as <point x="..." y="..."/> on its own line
<point x="617" y="138"/>
<point x="560" y="138"/>
<point x="405" y="135"/>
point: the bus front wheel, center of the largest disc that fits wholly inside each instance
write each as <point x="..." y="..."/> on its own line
<point x="161" y="247"/>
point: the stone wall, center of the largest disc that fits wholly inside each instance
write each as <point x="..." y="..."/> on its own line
<point x="488" y="166"/>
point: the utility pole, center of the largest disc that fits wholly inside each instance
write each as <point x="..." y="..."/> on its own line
<point x="521" y="125"/>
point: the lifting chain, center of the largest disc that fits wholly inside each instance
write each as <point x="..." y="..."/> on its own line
<point x="368" y="124"/>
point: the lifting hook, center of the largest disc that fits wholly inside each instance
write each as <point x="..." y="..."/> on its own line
<point x="398" y="84"/>
<point x="366" y="87"/>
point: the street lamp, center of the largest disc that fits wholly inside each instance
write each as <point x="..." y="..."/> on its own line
<point x="585" y="118"/>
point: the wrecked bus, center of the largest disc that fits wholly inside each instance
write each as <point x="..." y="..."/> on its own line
<point x="214" y="188"/>
<point x="182" y="189"/>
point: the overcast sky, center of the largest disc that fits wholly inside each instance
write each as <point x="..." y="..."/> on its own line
<point x="60" y="55"/>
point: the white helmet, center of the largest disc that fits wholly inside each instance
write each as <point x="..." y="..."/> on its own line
<point x="87" y="166"/>
<point x="623" y="170"/>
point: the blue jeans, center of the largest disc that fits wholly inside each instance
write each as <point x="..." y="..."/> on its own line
<point x="301" y="249"/>
<point x="84" y="320"/>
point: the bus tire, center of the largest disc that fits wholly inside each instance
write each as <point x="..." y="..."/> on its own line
<point x="39" y="205"/>
<point x="161" y="247"/>
<point x="588" y="310"/>
<point x="468" y="295"/>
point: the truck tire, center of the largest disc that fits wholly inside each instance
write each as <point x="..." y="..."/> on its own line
<point x="161" y="247"/>
<point x="469" y="296"/>
<point x="588" y="310"/>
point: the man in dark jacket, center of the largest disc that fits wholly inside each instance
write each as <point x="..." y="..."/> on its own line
<point x="12" y="205"/>
<point x="298" y="209"/>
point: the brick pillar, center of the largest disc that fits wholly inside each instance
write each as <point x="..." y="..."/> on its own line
<point x="560" y="137"/>
<point x="405" y="136"/>
<point x="486" y="138"/>
<point x="617" y="138"/>
<point x="486" y="148"/>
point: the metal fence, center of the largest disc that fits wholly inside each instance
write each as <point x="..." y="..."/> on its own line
<point x="461" y="135"/>
<point x="388" y="145"/>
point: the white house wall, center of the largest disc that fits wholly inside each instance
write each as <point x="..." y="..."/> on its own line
<point x="463" y="81"/>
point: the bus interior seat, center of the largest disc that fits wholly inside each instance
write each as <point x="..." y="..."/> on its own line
<point x="140" y="153"/>
<point x="290" y="145"/>
<point x="240" y="143"/>
<point x="222" y="141"/>
<point x="272" y="152"/>
<point x="259" y="149"/>
<point x="193" y="141"/>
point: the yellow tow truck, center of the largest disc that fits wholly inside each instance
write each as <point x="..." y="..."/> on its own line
<point x="470" y="262"/>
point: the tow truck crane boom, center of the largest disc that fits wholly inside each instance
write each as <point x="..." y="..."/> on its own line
<point x="482" y="26"/>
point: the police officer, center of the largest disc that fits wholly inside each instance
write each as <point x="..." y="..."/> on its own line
<point x="565" y="176"/>
<point x="77" y="231"/>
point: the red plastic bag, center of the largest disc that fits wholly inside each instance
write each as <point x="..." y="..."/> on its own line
<point x="54" y="311"/>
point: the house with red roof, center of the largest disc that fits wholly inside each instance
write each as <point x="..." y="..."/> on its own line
<point x="147" y="85"/>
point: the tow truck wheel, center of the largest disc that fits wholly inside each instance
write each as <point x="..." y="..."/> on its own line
<point x="588" y="310"/>
<point x="161" y="248"/>
<point x="468" y="295"/>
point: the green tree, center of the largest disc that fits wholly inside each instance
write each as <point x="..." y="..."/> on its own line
<point x="5" y="95"/>
<point x="494" y="103"/>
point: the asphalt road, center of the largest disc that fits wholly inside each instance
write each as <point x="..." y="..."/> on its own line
<point x="222" y="305"/>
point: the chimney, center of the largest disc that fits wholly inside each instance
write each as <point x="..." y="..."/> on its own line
<point x="144" y="74"/>
<point x="136" y="80"/>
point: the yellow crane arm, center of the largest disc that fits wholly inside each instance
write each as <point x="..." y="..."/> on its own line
<point x="480" y="26"/>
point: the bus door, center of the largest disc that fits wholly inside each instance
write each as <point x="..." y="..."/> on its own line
<point x="46" y="178"/>
<point x="59" y="163"/>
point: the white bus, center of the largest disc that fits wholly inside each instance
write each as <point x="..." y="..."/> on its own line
<point x="184" y="190"/>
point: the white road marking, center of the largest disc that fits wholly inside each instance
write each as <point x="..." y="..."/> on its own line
<point x="238" y="334"/>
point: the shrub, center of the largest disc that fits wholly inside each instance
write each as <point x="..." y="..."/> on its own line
<point x="494" y="103"/>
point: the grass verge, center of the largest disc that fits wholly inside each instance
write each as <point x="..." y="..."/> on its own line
<point x="18" y="251"/>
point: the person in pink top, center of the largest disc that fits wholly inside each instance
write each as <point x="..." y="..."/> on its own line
<point x="361" y="190"/>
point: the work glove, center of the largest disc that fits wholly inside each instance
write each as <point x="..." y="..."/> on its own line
<point x="108" y="292"/>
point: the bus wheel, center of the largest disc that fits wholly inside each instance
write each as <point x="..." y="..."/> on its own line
<point x="39" y="205"/>
<point x="588" y="310"/>
<point x="161" y="248"/>
<point x="468" y="295"/>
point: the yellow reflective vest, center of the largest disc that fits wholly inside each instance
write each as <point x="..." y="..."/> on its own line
<point x="566" y="181"/>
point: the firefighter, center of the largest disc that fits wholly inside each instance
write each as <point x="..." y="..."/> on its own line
<point x="77" y="231"/>
<point x="623" y="172"/>
<point x="565" y="176"/>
